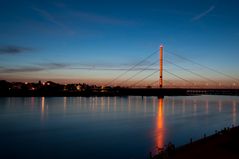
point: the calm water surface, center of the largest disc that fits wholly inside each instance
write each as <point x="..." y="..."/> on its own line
<point x="107" y="127"/>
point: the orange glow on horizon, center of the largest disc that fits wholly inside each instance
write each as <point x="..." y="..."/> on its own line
<point x="168" y="82"/>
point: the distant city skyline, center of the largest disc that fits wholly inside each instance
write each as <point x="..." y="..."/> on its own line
<point x="71" y="41"/>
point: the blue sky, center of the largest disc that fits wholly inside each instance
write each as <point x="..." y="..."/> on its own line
<point x="95" y="41"/>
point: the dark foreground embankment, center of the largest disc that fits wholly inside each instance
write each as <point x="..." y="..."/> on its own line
<point x="222" y="145"/>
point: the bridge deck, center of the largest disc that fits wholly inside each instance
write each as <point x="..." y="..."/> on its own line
<point x="176" y="91"/>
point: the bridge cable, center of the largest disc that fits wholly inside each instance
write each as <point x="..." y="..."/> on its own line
<point x="140" y="62"/>
<point x="137" y="73"/>
<point x="144" y="78"/>
<point x="179" y="77"/>
<point x="204" y="66"/>
<point x="191" y="71"/>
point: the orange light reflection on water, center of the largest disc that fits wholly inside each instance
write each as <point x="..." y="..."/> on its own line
<point x="160" y="125"/>
<point x="43" y="105"/>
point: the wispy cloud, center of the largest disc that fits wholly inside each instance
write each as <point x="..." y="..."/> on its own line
<point x="111" y="69"/>
<point x="59" y="4"/>
<point x="100" y="18"/>
<point x="20" y="69"/>
<point x="65" y="66"/>
<point x="54" y="65"/>
<point x="13" y="50"/>
<point x="51" y="18"/>
<point x="203" y="14"/>
<point x="89" y="16"/>
<point x="146" y="65"/>
<point x="34" y="68"/>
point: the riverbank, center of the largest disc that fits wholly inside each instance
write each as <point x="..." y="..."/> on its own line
<point x="222" y="145"/>
<point x="49" y="89"/>
<point x="49" y="92"/>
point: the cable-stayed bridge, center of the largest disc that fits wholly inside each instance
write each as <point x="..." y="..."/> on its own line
<point x="166" y="81"/>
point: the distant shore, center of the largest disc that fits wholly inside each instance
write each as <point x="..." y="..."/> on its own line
<point x="49" y="88"/>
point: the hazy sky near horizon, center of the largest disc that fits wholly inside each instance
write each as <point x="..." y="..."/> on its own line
<point x="91" y="40"/>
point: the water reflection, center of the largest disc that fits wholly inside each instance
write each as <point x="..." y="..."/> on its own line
<point x="220" y="105"/>
<point x="234" y="112"/>
<point x="129" y="104"/>
<point x="183" y="103"/>
<point x="115" y="103"/>
<point x="102" y="104"/>
<point x="145" y="104"/>
<point x="86" y="121"/>
<point x="154" y="104"/>
<point x="65" y="100"/>
<point x="194" y="107"/>
<point x="173" y="104"/>
<point x="206" y="104"/>
<point x="42" y="107"/>
<point x="108" y="104"/>
<point x="160" y="124"/>
<point x="32" y="101"/>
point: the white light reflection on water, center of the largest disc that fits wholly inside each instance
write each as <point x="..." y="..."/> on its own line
<point x="42" y="107"/>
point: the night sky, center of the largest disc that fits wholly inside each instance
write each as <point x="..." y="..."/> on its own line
<point x="95" y="41"/>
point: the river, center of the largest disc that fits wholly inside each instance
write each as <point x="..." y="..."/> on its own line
<point x="107" y="127"/>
